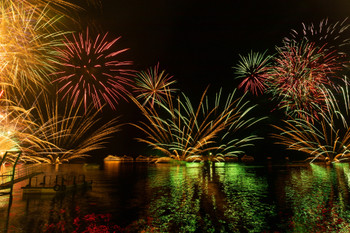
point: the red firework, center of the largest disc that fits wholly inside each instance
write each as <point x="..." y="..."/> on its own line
<point x="254" y="71"/>
<point x="298" y="76"/>
<point x="89" y="68"/>
<point x="332" y="36"/>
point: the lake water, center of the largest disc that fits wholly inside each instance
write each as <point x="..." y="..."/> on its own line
<point x="135" y="197"/>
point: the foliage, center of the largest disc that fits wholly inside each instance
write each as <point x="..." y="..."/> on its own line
<point x="95" y="223"/>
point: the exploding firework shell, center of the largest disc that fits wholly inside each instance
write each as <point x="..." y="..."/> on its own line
<point x="327" y="136"/>
<point x="299" y="74"/>
<point x="27" y="43"/>
<point x="153" y="85"/>
<point x="184" y="132"/>
<point x="253" y="69"/>
<point x="331" y="36"/>
<point x="90" y="70"/>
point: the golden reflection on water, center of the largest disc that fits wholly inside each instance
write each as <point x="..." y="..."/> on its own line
<point x="34" y="213"/>
<point x="111" y="166"/>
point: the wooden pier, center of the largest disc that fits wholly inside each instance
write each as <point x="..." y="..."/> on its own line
<point x="50" y="184"/>
<point x="15" y="173"/>
<point x="24" y="174"/>
<point x="54" y="184"/>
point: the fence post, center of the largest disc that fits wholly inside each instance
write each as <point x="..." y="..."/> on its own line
<point x="14" y="170"/>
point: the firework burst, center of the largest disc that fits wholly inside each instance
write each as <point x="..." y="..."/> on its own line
<point x="63" y="133"/>
<point x="17" y="129"/>
<point x="332" y="37"/>
<point x="37" y="3"/>
<point x="327" y="136"/>
<point x="90" y="70"/>
<point x="7" y="140"/>
<point x="27" y="45"/>
<point x="299" y="74"/>
<point x="253" y="69"/>
<point x="185" y="132"/>
<point x="153" y="85"/>
<point x="55" y="7"/>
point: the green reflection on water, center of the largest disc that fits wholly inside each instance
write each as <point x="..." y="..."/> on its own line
<point x="223" y="198"/>
<point x="174" y="205"/>
<point x="319" y="198"/>
<point x="246" y="193"/>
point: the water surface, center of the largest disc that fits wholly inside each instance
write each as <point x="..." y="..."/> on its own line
<point x="231" y="197"/>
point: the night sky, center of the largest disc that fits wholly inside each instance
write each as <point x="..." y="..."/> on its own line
<point x="198" y="42"/>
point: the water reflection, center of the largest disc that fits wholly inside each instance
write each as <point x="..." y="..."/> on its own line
<point x="174" y="203"/>
<point x="249" y="207"/>
<point x="223" y="198"/>
<point x="318" y="199"/>
<point x="138" y="197"/>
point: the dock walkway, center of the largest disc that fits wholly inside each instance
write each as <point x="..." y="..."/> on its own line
<point x="20" y="173"/>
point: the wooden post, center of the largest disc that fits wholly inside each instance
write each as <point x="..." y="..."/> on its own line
<point x="30" y="182"/>
<point x="3" y="158"/>
<point x="13" y="170"/>
<point x="44" y="180"/>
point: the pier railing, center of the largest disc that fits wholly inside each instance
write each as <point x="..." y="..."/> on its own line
<point x="21" y="172"/>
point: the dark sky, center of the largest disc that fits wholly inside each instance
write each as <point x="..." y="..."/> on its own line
<point x="198" y="42"/>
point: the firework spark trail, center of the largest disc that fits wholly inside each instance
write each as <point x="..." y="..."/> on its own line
<point x="38" y="3"/>
<point x="253" y="69"/>
<point x="55" y="8"/>
<point x="62" y="134"/>
<point x="153" y="85"/>
<point x="90" y="70"/>
<point x="26" y="47"/>
<point x="331" y="36"/>
<point x="299" y="74"/>
<point x="327" y="135"/>
<point x="189" y="132"/>
<point x="17" y="129"/>
<point x="30" y="42"/>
